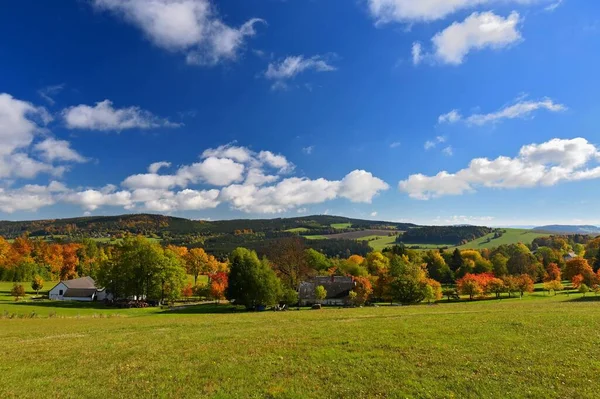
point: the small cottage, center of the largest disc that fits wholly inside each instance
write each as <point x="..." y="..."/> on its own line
<point x="338" y="290"/>
<point x="80" y="289"/>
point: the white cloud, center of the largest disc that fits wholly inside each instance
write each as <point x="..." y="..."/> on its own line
<point x="214" y="171"/>
<point x="103" y="116"/>
<point x="308" y="150"/>
<point x="451" y="117"/>
<point x="48" y="92"/>
<point x="553" y="6"/>
<point x="257" y="177"/>
<point x="520" y="109"/>
<point x="239" y="154"/>
<point x="58" y="150"/>
<point x="545" y="164"/>
<point x="291" y="66"/>
<point x="476" y="32"/>
<point x="276" y="161"/>
<point x="429" y="144"/>
<point x="361" y="186"/>
<point x="156" y="166"/>
<point x="357" y="186"/>
<point x="395" y="144"/>
<point x="302" y="210"/>
<point x="417" y="53"/>
<point x="449" y="151"/>
<point x="373" y="214"/>
<point x="20" y="123"/>
<point x="91" y="200"/>
<point x="28" y="198"/>
<point x="385" y="11"/>
<point x="190" y="26"/>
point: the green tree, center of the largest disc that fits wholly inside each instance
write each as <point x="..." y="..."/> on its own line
<point x="320" y="293"/>
<point x="316" y="260"/>
<point x="499" y="262"/>
<point x="289" y="297"/>
<point x="583" y="289"/>
<point x="409" y="285"/>
<point x="456" y="261"/>
<point x="252" y="282"/>
<point x="37" y="284"/>
<point x="437" y="267"/>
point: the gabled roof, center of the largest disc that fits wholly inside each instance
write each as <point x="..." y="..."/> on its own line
<point x="83" y="282"/>
<point x="79" y="293"/>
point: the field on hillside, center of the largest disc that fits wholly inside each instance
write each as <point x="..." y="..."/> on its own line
<point x="535" y="347"/>
<point x="511" y="236"/>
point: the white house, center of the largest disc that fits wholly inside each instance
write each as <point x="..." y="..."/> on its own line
<point x="80" y="289"/>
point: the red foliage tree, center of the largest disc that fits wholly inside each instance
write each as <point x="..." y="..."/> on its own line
<point x="552" y="273"/>
<point x="218" y="285"/>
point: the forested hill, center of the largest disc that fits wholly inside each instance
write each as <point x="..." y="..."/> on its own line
<point x="167" y="226"/>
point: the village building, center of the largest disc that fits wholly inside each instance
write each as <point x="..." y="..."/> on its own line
<point x="80" y="289"/>
<point x="338" y="290"/>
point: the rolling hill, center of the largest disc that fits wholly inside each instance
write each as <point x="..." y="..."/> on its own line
<point x="569" y="229"/>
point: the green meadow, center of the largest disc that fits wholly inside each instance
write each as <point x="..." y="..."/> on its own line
<point x="537" y="347"/>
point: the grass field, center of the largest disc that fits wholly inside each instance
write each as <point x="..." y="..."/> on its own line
<point x="531" y="348"/>
<point x="318" y="237"/>
<point x="381" y="242"/>
<point x="511" y="236"/>
<point x="297" y="230"/>
<point x="341" y="225"/>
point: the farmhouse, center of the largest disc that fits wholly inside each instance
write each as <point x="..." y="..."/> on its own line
<point x="80" y="289"/>
<point x="338" y="290"/>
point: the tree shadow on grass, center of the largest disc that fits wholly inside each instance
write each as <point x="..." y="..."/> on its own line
<point x="587" y="298"/>
<point x="205" y="308"/>
<point x="61" y="304"/>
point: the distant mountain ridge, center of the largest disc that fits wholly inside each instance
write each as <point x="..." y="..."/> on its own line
<point x="569" y="229"/>
<point x="165" y="226"/>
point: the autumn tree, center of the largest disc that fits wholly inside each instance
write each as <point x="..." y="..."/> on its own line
<point x="433" y="290"/>
<point x="288" y="259"/>
<point x="196" y="262"/>
<point x="37" y="284"/>
<point x="363" y="289"/>
<point x="18" y="291"/>
<point x="377" y="263"/>
<point x="524" y="284"/>
<point x="218" y="285"/>
<point x="579" y="266"/>
<point x="577" y="280"/>
<point x="496" y="286"/>
<point x="552" y="273"/>
<point x="553" y="286"/>
<point x="470" y="285"/>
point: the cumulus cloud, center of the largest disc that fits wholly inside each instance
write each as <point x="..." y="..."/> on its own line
<point x="193" y="27"/>
<point x="407" y="11"/>
<point x="449" y="151"/>
<point x="546" y="164"/>
<point x="156" y="166"/>
<point x="20" y="123"/>
<point x="58" y="150"/>
<point x="29" y="197"/>
<point x="103" y="116"/>
<point x="417" y="53"/>
<point x="290" y="67"/>
<point x="477" y="32"/>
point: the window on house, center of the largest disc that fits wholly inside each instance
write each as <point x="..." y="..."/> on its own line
<point x="60" y="292"/>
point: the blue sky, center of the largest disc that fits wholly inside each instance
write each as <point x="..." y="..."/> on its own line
<point x="384" y="109"/>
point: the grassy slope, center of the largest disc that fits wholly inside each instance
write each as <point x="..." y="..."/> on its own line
<point x="341" y="225"/>
<point x="536" y="347"/>
<point x="512" y="236"/>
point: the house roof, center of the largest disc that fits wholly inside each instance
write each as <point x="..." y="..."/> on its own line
<point x="83" y="282"/>
<point x="336" y="287"/>
<point x="79" y="292"/>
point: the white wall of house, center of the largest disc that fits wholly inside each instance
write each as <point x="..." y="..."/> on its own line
<point x="57" y="292"/>
<point x="80" y="298"/>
